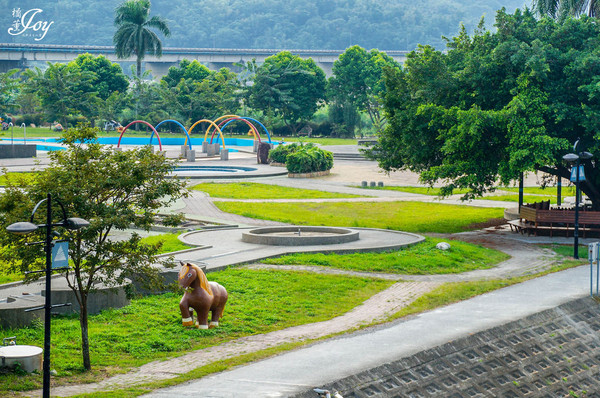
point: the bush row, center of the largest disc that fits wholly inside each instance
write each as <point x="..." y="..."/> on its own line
<point x="300" y="158"/>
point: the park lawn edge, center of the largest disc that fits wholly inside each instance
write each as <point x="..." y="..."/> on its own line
<point x="414" y="308"/>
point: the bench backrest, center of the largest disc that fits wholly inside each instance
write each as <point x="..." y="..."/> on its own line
<point x="559" y="216"/>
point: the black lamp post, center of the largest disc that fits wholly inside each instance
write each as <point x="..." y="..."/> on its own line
<point x="24" y="228"/>
<point x="575" y="158"/>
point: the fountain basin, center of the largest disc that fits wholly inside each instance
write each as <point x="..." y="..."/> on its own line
<point x="299" y="236"/>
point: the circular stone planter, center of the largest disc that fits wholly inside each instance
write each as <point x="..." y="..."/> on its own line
<point x="309" y="175"/>
<point x="299" y="236"/>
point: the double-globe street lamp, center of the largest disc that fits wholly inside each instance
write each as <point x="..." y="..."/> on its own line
<point x="26" y="227"/>
<point x="576" y="158"/>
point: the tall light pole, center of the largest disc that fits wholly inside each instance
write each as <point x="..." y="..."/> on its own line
<point x="575" y="158"/>
<point x="26" y="227"/>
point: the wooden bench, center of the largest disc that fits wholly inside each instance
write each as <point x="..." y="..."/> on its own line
<point x="533" y="220"/>
<point x="520" y="226"/>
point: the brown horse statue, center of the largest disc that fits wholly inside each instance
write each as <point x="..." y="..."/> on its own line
<point x="200" y="295"/>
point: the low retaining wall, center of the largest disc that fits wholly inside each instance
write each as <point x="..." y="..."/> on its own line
<point x="13" y="315"/>
<point x="97" y="301"/>
<point x="12" y="311"/>
<point x="10" y="151"/>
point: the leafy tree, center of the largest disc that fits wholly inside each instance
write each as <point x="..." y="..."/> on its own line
<point x="113" y="107"/>
<point x="496" y="105"/>
<point x="9" y="85"/>
<point x="109" y="77"/>
<point x="114" y="191"/>
<point x="345" y="118"/>
<point x="186" y="70"/>
<point x="200" y="93"/>
<point x="288" y="86"/>
<point x="358" y="80"/>
<point x="134" y="35"/>
<point x="64" y="91"/>
<point x="561" y="9"/>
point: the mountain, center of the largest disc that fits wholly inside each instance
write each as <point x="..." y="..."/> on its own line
<point x="271" y="24"/>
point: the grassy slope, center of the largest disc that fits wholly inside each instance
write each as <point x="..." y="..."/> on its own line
<point x="403" y="216"/>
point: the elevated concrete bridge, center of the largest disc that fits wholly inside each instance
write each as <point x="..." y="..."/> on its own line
<point x="26" y="55"/>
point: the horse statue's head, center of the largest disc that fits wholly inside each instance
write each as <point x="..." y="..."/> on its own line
<point x="189" y="273"/>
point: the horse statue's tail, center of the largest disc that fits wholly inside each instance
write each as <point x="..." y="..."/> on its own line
<point x="203" y="281"/>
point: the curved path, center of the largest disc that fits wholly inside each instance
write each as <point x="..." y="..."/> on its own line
<point x="525" y="259"/>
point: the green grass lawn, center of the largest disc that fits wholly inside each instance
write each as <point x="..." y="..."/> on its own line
<point x="150" y="328"/>
<point x="503" y="194"/>
<point x="536" y="191"/>
<point x="548" y="191"/>
<point x="568" y="250"/>
<point x="403" y="216"/>
<point x="17" y="178"/>
<point x="515" y="198"/>
<point x="253" y="190"/>
<point x="418" y="190"/>
<point x="420" y="259"/>
<point x="170" y="242"/>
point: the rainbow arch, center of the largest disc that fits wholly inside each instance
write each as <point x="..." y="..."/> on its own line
<point x="145" y="123"/>
<point x="180" y="125"/>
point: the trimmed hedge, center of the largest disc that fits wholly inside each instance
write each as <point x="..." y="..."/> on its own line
<point x="280" y="153"/>
<point x="300" y="158"/>
<point x="308" y="160"/>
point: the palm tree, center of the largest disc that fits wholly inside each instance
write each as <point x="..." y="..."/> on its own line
<point x="134" y="34"/>
<point x="560" y="9"/>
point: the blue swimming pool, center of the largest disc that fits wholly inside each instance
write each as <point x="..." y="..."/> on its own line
<point x="165" y="141"/>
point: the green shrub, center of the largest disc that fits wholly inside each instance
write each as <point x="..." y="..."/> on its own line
<point x="28" y="119"/>
<point x="308" y="159"/>
<point x="280" y="153"/>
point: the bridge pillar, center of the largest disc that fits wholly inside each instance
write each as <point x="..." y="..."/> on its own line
<point x="159" y="69"/>
<point x="327" y="67"/>
<point x="218" y="65"/>
<point x="6" y="65"/>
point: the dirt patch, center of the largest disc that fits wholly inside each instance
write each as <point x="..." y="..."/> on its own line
<point x="492" y="222"/>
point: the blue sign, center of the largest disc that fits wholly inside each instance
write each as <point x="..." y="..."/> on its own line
<point x="60" y="255"/>
<point x="574" y="174"/>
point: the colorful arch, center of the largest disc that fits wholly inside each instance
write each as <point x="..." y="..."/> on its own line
<point x="217" y="120"/>
<point x="180" y="125"/>
<point x="242" y="117"/>
<point x="147" y="124"/>
<point x="225" y="122"/>
<point x="261" y="125"/>
<point x="212" y="124"/>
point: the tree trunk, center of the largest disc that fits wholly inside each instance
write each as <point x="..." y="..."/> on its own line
<point x="85" y="342"/>
<point x="138" y="67"/>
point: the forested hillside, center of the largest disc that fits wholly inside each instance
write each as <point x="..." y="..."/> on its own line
<point x="274" y="24"/>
